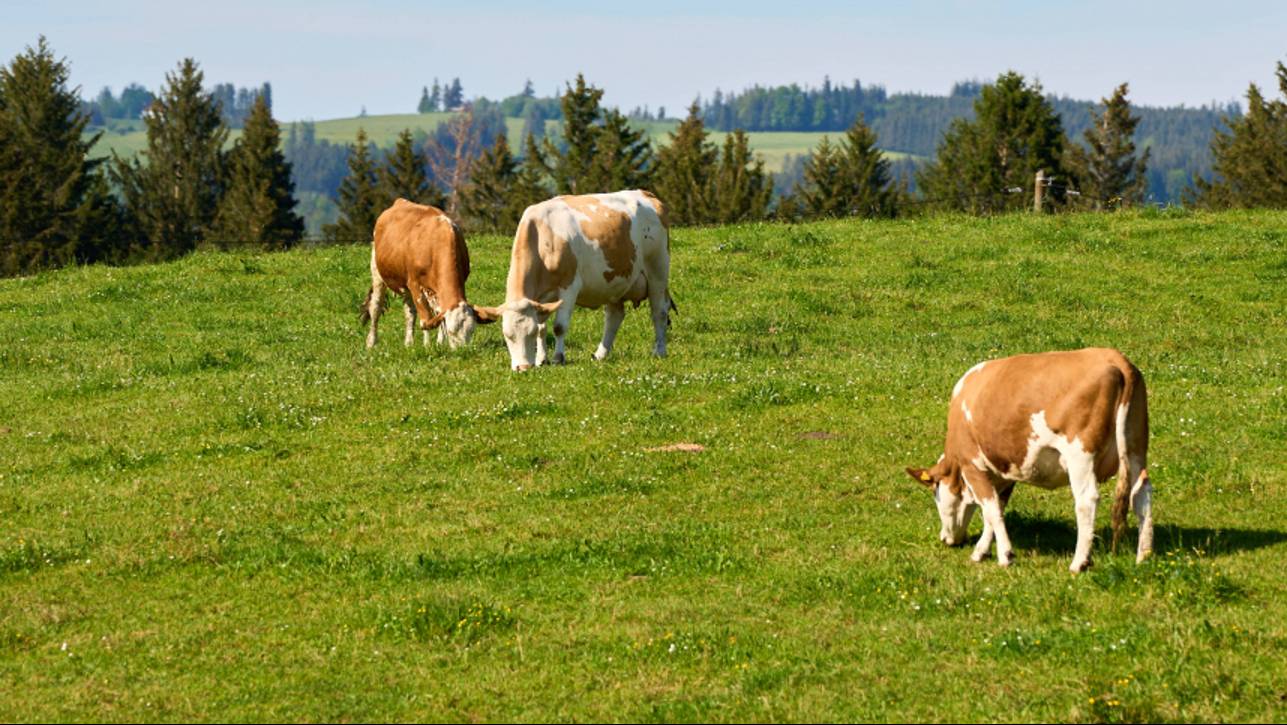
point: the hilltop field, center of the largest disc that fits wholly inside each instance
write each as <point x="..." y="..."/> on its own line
<point x="127" y="138"/>
<point x="215" y="504"/>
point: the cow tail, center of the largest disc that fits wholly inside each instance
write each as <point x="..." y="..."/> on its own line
<point x="1122" y="494"/>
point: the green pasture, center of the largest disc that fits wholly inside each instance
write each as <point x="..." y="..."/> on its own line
<point x="127" y="138"/>
<point x="215" y="504"/>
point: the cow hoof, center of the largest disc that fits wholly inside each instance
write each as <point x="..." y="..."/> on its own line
<point x="978" y="558"/>
<point x="1077" y="568"/>
<point x="560" y="360"/>
<point x="1006" y="560"/>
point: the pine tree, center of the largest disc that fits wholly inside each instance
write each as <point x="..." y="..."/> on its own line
<point x="822" y="191"/>
<point x="403" y="175"/>
<point x="1108" y="174"/>
<point x="258" y="206"/>
<point x="1015" y="132"/>
<point x="742" y="190"/>
<point x="685" y="167"/>
<point x="529" y="185"/>
<point x="454" y="96"/>
<point x="425" y="105"/>
<point x="173" y="194"/>
<point x="359" y="200"/>
<point x="485" y="201"/>
<point x="866" y="187"/>
<point x="435" y="97"/>
<point x="623" y="156"/>
<point x="53" y="202"/>
<point x="1251" y="157"/>
<point x="572" y="170"/>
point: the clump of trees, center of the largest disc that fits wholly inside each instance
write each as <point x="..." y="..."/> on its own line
<point x="59" y="204"/>
<point x="1251" y="156"/>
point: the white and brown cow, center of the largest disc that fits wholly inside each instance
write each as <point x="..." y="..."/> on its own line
<point x="1052" y="420"/>
<point x="419" y="253"/>
<point x="596" y="250"/>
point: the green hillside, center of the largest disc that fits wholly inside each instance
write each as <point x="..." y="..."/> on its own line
<point x="217" y="505"/>
<point x="127" y="137"/>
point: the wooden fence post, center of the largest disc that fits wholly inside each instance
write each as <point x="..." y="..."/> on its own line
<point x="1039" y="190"/>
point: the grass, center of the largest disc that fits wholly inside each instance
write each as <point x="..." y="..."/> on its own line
<point x="127" y="138"/>
<point x="217" y="505"/>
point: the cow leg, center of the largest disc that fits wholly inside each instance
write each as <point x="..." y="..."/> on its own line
<point x="541" y="358"/>
<point x="432" y="301"/>
<point x="374" y="301"/>
<point x="613" y="314"/>
<point x="563" y="319"/>
<point x="409" y="316"/>
<point x="984" y="545"/>
<point x="659" y="306"/>
<point x="1085" y="490"/>
<point x="1142" y="503"/>
<point x="994" y="520"/>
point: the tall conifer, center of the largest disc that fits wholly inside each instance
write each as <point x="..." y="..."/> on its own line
<point x="1251" y="157"/>
<point x="741" y="188"/>
<point x="173" y="192"/>
<point x="360" y="200"/>
<point x="1108" y="173"/>
<point x="685" y="167"/>
<point x="403" y="175"/>
<point x="258" y="206"/>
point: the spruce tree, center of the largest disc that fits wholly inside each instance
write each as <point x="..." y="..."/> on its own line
<point x="403" y="175"/>
<point x="623" y="156"/>
<point x="54" y="207"/>
<point x="685" y="167"/>
<point x="359" y="200"/>
<point x="485" y="200"/>
<point x="258" y="206"/>
<point x="424" y="105"/>
<point x="1108" y="174"/>
<point x="742" y="190"/>
<point x="1251" y="157"/>
<point x="822" y="191"/>
<point x="173" y="192"/>
<point x="572" y="170"/>
<point x="454" y="96"/>
<point x="529" y="185"/>
<point x="866" y="187"/>
<point x="1014" y="132"/>
<point x="435" y="97"/>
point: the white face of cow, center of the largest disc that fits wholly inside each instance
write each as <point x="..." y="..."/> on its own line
<point x="955" y="507"/>
<point x="521" y="322"/>
<point x="954" y="511"/>
<point x="458" y="325"/>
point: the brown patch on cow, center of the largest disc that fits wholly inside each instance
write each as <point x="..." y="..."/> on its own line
<point x="1078" y="392"/>
<point x="818" y="435"/>
<point x="678" y="447"/>
<point x="419" y="250"/>
<point x="541" y="263"/>
<point x="608" y="228"/>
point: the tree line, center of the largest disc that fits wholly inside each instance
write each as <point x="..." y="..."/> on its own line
<point x="58" y="204"/>
<point x="234" y="103"/>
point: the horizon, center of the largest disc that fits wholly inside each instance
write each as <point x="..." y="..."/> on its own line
<point x="306" y="50"/>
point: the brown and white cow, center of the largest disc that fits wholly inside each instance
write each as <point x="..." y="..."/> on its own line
<point x="596" y="250"/>
<point x="1051" y="420"/>
<point x="419" y="253"/>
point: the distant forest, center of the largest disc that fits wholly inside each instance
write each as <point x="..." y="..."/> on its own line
<point x="1179" y="138"/>
<point x="234" y="103"/>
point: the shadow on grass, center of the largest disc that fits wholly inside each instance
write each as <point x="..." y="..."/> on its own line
<point x="1052" y="535"/>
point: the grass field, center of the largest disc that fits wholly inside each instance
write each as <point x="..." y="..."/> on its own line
<point x="127" y="138"/>
<point x="216" y="505"/>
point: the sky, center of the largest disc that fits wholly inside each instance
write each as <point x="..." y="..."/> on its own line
<point x="330" y="59"/>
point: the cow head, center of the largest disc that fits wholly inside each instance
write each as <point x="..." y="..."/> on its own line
<point x="457" y="324"/>
<point x="520" y="323"/>
<point x="955" y="502"/>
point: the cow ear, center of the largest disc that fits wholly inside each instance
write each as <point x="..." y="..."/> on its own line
<point x="487" y="315"/>
<point x="433" y="323"/>
<point x="547" y="308"/>
<point x="922" y="476"/>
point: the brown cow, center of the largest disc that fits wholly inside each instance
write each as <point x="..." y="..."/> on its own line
<point x="418" y="252"/>
<point x="1051" y="420"/>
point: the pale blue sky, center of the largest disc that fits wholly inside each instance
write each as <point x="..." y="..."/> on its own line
<point x="327" y="59"/>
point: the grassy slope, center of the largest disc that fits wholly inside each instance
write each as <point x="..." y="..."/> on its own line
<point x="128" y="138"/>
<point x="217" y="505"/>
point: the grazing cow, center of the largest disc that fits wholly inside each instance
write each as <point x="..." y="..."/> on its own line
<point x="597" y="250"/>
<point x="418" y="252"/>
<point x="1052" y="419"/>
